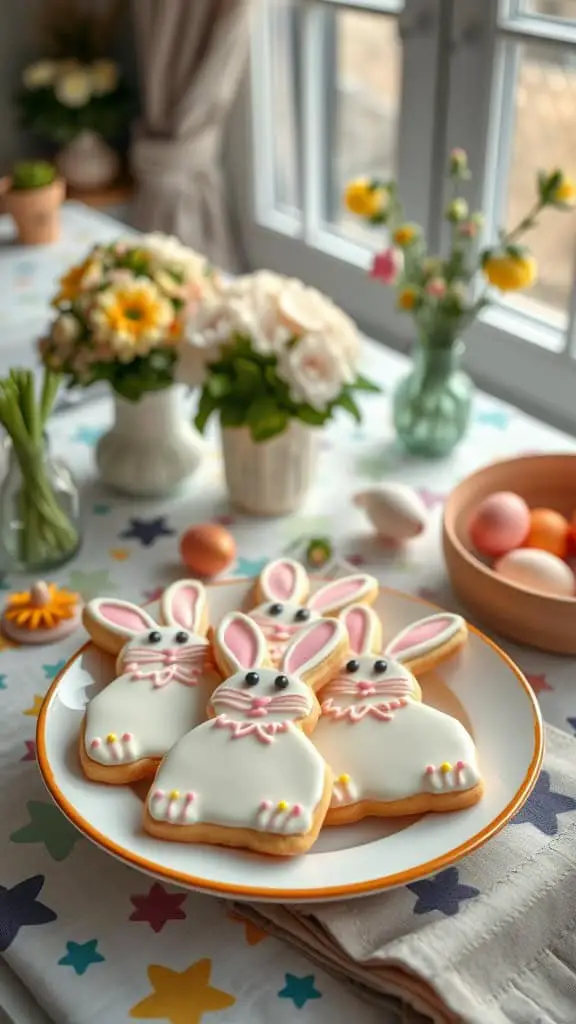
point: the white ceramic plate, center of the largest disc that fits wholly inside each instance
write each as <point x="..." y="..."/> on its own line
<point x="481" y="686"/>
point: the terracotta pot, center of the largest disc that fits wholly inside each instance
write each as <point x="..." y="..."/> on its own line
<point x="36" y="211"/>
<point x="88" y="162"/>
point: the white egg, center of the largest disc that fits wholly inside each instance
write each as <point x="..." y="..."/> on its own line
<point x="537" y="570"/>
<point x="395" y="510"/>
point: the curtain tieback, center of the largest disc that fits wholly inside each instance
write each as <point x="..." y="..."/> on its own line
<point x="172" y="163"/>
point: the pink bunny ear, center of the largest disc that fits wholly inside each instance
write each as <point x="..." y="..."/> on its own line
<point x="240" y="643"/>
<point x="363" y="628"/>
<point x="184" y="604"/>
<point x="425" y="636"/>
<point x="334" y="596"/>
<point x="312" y="646"/>
<point x="111" y="622"/>
<point x="284" y="580"/>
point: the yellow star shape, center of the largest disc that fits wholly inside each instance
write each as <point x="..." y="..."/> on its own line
<point x="120" y="554"/>
<point x="181" y="997"/>
<point x="6" y="644"/>
<point x="37" y="704"/>
<point x="252" y="933"/>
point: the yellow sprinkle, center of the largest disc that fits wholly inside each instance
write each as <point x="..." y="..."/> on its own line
<point x="344" y="778"/>
<point x="174" y="794"/>
<point x="446" y="767"/>
<point x="111" y="737"/>
<point x="282" y="806"/>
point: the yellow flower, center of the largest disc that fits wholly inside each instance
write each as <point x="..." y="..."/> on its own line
<point x="74" y="88"/>
<point x="363" y="200"/>
<point x="42" y="607"/>
<point x="103" y="76"/>
<point x="510" y="273"/>
<point x="565" y="194"/>
<point x="408" y="298"/>
<point x="71" y="283"/>
<point x="406" y="234"/>
<point x="133" y="316"/>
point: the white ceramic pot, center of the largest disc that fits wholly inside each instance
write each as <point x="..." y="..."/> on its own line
<point x="270" y="478"/>
<point x="152" y="447"/>
<point x="88" y="162"/>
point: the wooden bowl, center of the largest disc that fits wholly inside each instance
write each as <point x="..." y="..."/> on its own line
<point x="535" y="619"/>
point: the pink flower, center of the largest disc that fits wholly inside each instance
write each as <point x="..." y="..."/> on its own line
<point x="468" y="229"/>
<point x="436" y="287"/>
<point x="387" y="265"/>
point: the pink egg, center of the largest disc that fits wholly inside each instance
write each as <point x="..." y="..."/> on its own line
<point x="499" y="523"/>
<point x="537" y="570"/>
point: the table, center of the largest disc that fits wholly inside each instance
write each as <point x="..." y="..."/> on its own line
<point x="93" y="941"/>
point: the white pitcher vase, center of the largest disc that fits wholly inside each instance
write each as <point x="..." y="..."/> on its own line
<point x="269" y="478"/>
<point x="152" y="446"/>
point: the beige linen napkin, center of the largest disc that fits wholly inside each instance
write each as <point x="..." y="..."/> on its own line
<point x="491" y="940"/>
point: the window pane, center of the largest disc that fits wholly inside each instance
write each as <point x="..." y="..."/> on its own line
<point x="544" y="138"/>
<point x="283" y="103"/>
<point x="363" y="123"/>
<point x="564" y="9"/>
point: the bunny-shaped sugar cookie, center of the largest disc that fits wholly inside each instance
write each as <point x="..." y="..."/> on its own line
<point x="250" y="777"/>
<point x="165" y="677"/>
<point x="284" y="605"/>
<point x="390" y="753"/>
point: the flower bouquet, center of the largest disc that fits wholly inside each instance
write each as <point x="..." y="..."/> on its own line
<point x="120" y="317"/>
<point x="275" y="359"/>
<point x="432" y="405"/>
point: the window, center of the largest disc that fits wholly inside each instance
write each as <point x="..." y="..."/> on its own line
<point x="343" y="87"/>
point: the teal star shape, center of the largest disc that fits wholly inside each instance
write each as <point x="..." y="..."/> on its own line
<point x="51" y="671"/>
<point x="91" y="584"/>
<point x="3" y="684"/>
<point x="249" y="566"/>
<point x="87" y="435"/>
<point x="4" y="585"/>
<point x="81" y="954"/>
<point x="299" y="990"/>
<point x="99" y="509"/>
<point x="48" y="825"/>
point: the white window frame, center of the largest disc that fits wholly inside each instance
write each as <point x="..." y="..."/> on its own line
<point x="451" y="91"/>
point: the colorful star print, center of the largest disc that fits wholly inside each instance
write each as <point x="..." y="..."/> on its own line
<point x="249" y="566"/>
<point x="19" y="908"/>
<point x="119" y="554"/>
<point x="572" y="723"/>
<point x="4" y="585"/>
<point x="51" y="671"/>
<point x="81" y="955"/>
<point x="181" y="997"/>
<point x="443" y="892"/>
<point x="91" y="584"/>
<point x="153" y="595"/>
<point x="252" y="933"/>
<point x="158" y="906"/>
<point x="147" y="531"/>
<point x="36" y="705"/>
<point x="543" y="807"/>
<point x="430" y="498"/>
<point x="539" y="683"/>
<point x="48" y="825"/>
<point x="30" y="754"/>
<point x="3" y="685"/>
<point x="429" y="594"/>
<point x="375" y="465"/>
<point x="87" y="435"/>
<point x="299" y="990"/>
<point x="498" y="418"/>
<point x="224" y="520"/>
<point x="99" y="509"/>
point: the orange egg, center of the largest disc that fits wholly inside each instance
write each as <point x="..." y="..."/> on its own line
<point x="549" y="531"/>
<point x="572" y="538"/>
<point x="207" y="549"/>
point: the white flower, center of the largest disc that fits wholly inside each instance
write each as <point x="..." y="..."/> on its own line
<point x="74" y="87"/>
<point x="104" y="76"/>
<point x="39" y="75"/>
<point x="314" y="370"/>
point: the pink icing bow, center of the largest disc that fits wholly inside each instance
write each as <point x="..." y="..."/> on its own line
<point x="263" y="731"/>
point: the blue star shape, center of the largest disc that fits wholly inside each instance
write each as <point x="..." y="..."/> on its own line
<point x="249" y="566"/>
<point x="498" y="418"/>
<point x="299" y="990"/>
<point x="99" y="509"/>
<point x="3" y="685"/>
<point x="4" y="585"/>
<point x="19" y="907"/>
<point x="51" y="671"/>
<point x="147" y="530"/>
<point x="80" y="955"/>
<point x="572" y="723"/>
<point x="543" y="807"/>
<point x="443" y="892"/>
<point x="87" y="435"/>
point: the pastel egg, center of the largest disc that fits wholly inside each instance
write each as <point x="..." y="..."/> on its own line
<point x="207" y="549"/>
<point x="395" y="510"/>
<point x="549" y="531"/>
<point x="537" y="570"/>
<point x="499" y="523"/>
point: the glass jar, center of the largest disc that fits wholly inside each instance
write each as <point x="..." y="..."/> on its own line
<point x="432" y="404"/>
<point x="39" y="511"/>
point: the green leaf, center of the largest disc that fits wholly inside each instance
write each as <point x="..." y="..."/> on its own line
<point x="364" y="384"/>
<point x="233" y="413"/>
<point x="347" y="402"/>
<point x="314" y="417"/>
<point x="265" y="418"/>
<point x="206" y="406"/>
<point x="218" y="384"/>
<point x="248" y="377"/>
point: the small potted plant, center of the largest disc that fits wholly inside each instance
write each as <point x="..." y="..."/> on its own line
<point x="276" y="360"/>
<point x="120" y="317"/>
<point x="33" y="194"/>
<point x="432" y="403"/>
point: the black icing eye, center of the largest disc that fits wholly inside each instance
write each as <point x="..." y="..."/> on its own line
<point x="251" y="679"/>
<point x="352" y="665"/>
<point x="302" y="615"/>
<point x="276" y="609"/>
<point x="181" y="637"/>
<point x="281" y="682"/>
<point x="380" y="665"/>
<point x="154" y="637"/>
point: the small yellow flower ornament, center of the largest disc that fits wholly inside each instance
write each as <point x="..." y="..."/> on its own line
<point x="41" y="615"/>
<point x="510" y="272"/>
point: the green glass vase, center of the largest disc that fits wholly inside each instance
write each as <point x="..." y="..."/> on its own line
<point x="432" y="404"/>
